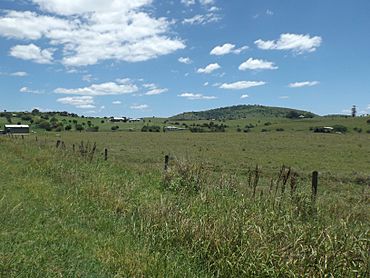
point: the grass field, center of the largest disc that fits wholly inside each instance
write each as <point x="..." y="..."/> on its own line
<point x="64" y="215"/>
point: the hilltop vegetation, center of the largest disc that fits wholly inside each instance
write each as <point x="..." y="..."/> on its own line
<point x="241" y="112"/>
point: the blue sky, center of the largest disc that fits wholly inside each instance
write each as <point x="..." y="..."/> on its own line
<point x="159" y="58"/>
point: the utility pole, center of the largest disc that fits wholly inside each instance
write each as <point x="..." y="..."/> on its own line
<point x="354" y="111"/>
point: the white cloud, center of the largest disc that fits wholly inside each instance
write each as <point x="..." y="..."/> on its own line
<point x="88" y="32"/>
<point x="185" y="60"/>
<point x="188" y="2"/>
<point x="207" y="2"/>
<point x="201" y="2"/>
<point x="269" y="12"/>
<point x="104" y="89"/>
<point x="156" y="91"/>
<point x="206" y="84"/>
<point x="139" y="106"/>
<point x="244" y="96"/>
<point x="116" y="102"/>
<point x="202" y="19"/>
<point x="283" y="97"/>
<point x="209" y="69"/>
<point x="303" y="84"/>
<point x="226" y="49"/>
<point x="84" y="102"/>
<point x="29" y="91"/>
<point x="19" y="74"/>
<point x="33" y="53"/>
<point x="192" y="96"/>
<point x="256" y="64"/>
<point x="295" y="42"/>
<point x="241" y="85"/>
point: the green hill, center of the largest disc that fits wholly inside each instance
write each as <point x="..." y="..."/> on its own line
<point x="242" y="111"/>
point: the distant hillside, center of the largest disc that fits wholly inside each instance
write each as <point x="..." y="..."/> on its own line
<point x="242" y="111"/>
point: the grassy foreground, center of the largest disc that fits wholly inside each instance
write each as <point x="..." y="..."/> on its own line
<point x="63" y="215"/>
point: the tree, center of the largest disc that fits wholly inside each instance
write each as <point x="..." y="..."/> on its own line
<point x="79" y="127"/>
<point x="35" y="112"/>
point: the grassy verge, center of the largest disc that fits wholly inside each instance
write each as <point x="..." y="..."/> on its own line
<point x="62" y="215"/>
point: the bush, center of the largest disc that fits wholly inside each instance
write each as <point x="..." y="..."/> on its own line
<point x="68" y="127"/>
<point x="114" y="128"/>
<point x="267" y="123"/>
<point x="280" y="129"/>
<point x="79" y="128"/>
<point x="93" y="129"/>
<point x="340" y="128"/>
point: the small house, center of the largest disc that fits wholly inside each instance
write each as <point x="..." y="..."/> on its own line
<point x="17" y="129"/>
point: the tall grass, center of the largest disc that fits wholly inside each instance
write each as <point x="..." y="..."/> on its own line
<point x="65" y="215"/>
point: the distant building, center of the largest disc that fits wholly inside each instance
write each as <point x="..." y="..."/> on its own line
<point x="17" y="129"/>
<point x="117" y="120"/>
<point x="173" y="128"/>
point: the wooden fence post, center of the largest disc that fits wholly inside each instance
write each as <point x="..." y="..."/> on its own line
<point x="166" y="160"/>
<point x="58" y="143"/>
<point x="315" y="176"/>
<point x="105" y="154"/>
<point x="73" y="147"/>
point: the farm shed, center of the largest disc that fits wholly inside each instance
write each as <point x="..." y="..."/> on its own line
<point x="173" y="128"/>
<point x="17" y="129"/>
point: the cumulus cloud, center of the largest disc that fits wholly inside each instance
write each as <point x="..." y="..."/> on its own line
<point x="256" y="64"/>
<point x="33" y="53"/>
<point x="303" y="84"/>
<point x="226" y="49"/>
<point x="92" y="31"/>
<point x="139" y="106"/>
<point x="244" y="96"/>
<point x="84" y="102"/>
<point x="202" y="19"/>
<point x="185" y="60"/>
<point x="116" y="102"/>
<point x="295" y="42"/>
<point x="241" y="85"/>
<point x="209" y="69"/>
<point x="192" y="96"/>
<point x="103" y="89"/>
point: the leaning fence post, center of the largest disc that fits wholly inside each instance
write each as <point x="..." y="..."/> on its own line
<point x="73" y="147"/>
<point x="105" y="154"/>
<point x="166" y="160"/>
<point x="58" y="143"/>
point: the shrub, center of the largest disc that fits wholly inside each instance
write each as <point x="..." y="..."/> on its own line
<point x="114" y="128"/>
<point x="264" y="130"/>
<point x="340" y="128"/>
<point x="79" y="127"/>
<point x="152" y="128"/>
<point x="93" y="129"/>
<point x="267" y="123"/>
<point x="280" y="129"/>
<point x="68" y="127"/>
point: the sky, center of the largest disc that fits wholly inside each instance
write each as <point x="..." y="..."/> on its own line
<point x="159" y="58"/>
